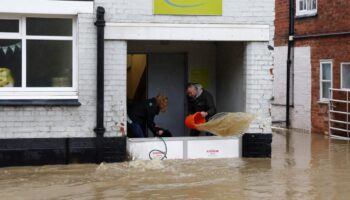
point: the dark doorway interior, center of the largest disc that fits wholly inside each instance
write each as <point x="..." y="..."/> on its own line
<point x="160" y="73"/>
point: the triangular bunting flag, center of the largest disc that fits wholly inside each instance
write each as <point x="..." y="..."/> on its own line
<point x="13" y="47"/>
<point x="4" y="49"/>
<point x="19" y="45"/>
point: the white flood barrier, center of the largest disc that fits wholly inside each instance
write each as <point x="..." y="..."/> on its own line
<point x="184" y="147"/>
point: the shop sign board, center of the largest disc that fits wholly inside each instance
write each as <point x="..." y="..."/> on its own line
<point x="188" y="7"/>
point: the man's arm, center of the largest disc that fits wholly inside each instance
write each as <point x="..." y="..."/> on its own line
<point x="211" y="105"/>
<point x="190" y="105"/>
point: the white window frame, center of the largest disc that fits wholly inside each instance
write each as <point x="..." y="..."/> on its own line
<point x="323" y="81"/>
<point x="341" y="75"/>
<point x="48" y="7"/>
<point x="41" y="92"/>
<point x="305" y="13"/>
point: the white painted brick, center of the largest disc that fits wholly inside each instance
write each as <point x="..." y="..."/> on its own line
<point x="30" y="122"/>
<point x="300" y="114"/>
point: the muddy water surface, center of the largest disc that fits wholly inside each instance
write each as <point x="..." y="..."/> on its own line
<point x="302" y="166"/>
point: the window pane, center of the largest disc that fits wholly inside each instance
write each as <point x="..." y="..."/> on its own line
<point x="49" y="63"/>
<point x="346" y="76"/>
<point x="10" y="63"/>
<point x="301" y="5"/>
<point x="314" y="4"/>
<point x="308" y="5"/>
<point x="49" y="26"/>
<point x="326" y="71"/>
<point x="325" y="89"/>
<point x="9" y="25"/>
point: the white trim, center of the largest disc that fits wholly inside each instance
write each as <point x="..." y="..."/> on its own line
<point x="24" y="53"/>
<point x="187" y="32"/>
<point x="38" y="95"/>
<point x="325" y="81"/>
<point x="46" y="7"/>
<point x="75" y="74"/>
<point x="24" y="64"/>
<point x="38" y="37"/>
<point x="341" y="75"/>
<point x="37" y="89"/>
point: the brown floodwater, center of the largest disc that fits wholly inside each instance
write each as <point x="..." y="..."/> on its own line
<point x="303" y="166"/>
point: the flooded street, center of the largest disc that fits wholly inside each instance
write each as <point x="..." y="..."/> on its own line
<point x="302" y="166"/>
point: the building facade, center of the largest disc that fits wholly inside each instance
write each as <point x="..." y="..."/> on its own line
<point x="48" y="53"/>
<point x="320" y="56"/>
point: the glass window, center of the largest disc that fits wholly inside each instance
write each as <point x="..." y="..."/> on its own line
<point x="306" y="7"/>
<point x="47" y="46"/>
<point x="9" y="25"/>
<point x="302" y="4"/>
<point x="314" y="4"/>
<point x="326" y="71"/>
<point x="49" y="63"/>
<point x="325" y="89"/>
<point x="325" y="79"/>
<point x="10" y="63"/>
<point x="49" y="26"/>
<point x="345" y="76"/>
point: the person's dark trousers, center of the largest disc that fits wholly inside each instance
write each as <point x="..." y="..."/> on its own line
<point x="167" y="134"/>
<point x="194" y="133"/>
<point x="135" y="130"/>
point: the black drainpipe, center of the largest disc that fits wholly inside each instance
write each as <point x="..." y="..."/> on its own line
<point x="100" y="129"/>
<point x="289" y="58"/>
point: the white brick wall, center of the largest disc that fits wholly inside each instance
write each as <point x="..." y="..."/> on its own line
<point x="27" y="122"/>
<point x="300" y="87"/>
<point x="234" y="11"/>
<point x="115" y="87"/>
<point x="258" y="61"/>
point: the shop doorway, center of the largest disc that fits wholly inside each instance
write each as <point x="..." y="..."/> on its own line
<point x="166" y="66"/>
<point x="160" y="73"/>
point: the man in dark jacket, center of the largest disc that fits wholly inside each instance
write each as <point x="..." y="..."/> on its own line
<point x="141" y="115"/>
<point x="199" y="100"/>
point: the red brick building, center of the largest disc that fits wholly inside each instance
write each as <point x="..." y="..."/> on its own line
<point x="320" y="60"/>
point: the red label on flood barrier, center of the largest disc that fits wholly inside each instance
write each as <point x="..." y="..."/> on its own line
<point x="212" y="152"/>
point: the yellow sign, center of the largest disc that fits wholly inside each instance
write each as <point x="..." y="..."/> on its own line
<point x="188" y="7"/>
<point x="200" y="76"/>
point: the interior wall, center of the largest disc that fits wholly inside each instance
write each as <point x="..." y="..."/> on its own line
<point x="136" y="67"/>
<point x="201" y="55"/>
<point x="230" y="82"/>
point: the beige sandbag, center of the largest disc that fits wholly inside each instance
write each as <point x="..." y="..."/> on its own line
<point x="227" y="124"/>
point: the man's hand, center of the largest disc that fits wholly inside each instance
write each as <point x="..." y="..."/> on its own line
<point x="204" y="114"/>
<point x="160" y="132"/>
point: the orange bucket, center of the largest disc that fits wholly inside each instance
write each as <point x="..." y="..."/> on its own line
<point x="192" y="120"/>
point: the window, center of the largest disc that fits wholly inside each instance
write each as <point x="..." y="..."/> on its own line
<point x="9" y="25"/>
<point x="325" y="79"/>
<point x="345" y="76"/>
<point x="37" y="58"/>
<point x="306" y="7"/>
